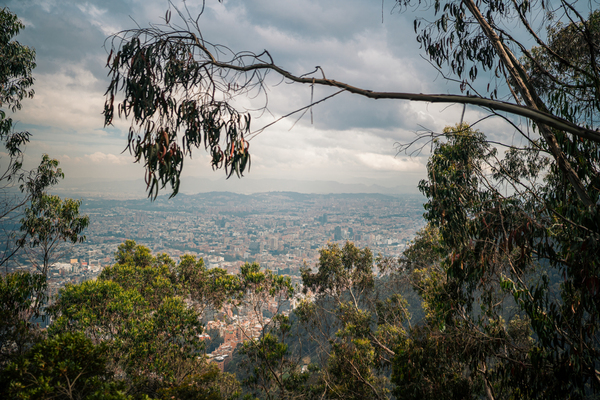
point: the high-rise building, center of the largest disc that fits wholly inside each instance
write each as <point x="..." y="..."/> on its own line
<point x="273" y="243"/>
<point x="337" y="233"/>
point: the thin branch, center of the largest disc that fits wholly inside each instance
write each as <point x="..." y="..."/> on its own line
<point x="538" y="116"/>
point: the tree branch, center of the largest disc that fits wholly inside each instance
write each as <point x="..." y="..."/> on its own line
<point x="531" y="113"/>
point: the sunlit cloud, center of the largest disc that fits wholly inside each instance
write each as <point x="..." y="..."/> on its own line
<point x="69" y="99"/>
<point x="99" y="18"/>
<point x="103" y="158"/>
<point x="389" y="163"/>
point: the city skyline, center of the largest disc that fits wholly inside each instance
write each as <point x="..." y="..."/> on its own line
<point x="281" y="231"/>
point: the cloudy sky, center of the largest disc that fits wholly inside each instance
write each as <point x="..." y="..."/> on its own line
<point x="351" y="139"/>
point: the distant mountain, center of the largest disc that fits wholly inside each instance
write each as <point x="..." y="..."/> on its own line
<point x="248" y="185"/>
<point x="258" y="202"/>
<point x="192" y="185"/>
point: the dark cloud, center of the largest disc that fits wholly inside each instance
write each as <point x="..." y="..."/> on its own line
<point x="312" y="19"/>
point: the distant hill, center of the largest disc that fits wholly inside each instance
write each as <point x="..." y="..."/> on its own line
<point x="189" y="203"/>
<point x="136" y="189"/>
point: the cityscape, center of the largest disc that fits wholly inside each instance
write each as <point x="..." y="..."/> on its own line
<point x="281" y="231"/>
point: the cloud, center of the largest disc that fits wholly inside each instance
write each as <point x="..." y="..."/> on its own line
<point x="350" y="137"/>
<point x="68" y="98"/>
<point x="102" y="158"/>
<point x="309" y="19"/>
<point x="99" y="18"/>
<point x="388" y="163"/>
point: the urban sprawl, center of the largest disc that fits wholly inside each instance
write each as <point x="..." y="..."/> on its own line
<point x="281" y="231"/>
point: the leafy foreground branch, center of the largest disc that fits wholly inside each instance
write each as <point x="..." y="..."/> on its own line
<point x="178" y="88"/>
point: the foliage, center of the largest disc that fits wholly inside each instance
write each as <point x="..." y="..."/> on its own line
<point x="207" y="288"/>
<point x="210" y="385"/>
<point x="141" y="309"/>
<point x="489" y="303"/>
<point x="430" y="366"/>
<point x="337" y="345"/>
<point x="560" y="74"/>
<point x="570" y="86"/>
<point x="16" y="65"/>
<point x="340" y="270"/>
<point x="48" y="220"/>
<point x="264" y="285"/>
<point x="67" y="366"/>
<point x="137" y="309"/>
<point x="22" y="295"/>
<point x="151" y="74"/>
<point x="272" y="371"/>
<point x="343" y="282"/>
<point x="269" y="371"/>
<point x="347" y="324"/>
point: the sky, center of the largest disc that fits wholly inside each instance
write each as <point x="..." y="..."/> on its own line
<point x="351" y="140"/>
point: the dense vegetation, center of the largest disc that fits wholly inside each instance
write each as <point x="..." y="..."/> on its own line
<point x="498" y="297"/>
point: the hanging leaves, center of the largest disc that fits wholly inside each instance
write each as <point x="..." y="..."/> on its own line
<point x="174" y="104"/>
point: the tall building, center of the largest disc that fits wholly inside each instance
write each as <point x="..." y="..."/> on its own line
<point x="273" y="243"/>
<point x="337" y="233"/>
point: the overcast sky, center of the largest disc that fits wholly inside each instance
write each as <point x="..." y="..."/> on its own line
<point x="352" y="139"/>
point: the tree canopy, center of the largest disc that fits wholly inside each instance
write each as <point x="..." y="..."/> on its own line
<point x="24" y="197"/>
<point x="44" y="219"/>
<point x="66" y="366"/>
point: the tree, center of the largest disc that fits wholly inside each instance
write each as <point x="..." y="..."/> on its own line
<point x="67" y="366"/>
<point x="153" y="66"/>
<point x="357" y="318"/>
<point x="337" y="345"/>
<point x="207" y="288"/>
<point x="18" y="62"/>
<point x="504" y="283"/>
<point x="574" y="79"/>
<point x="269" y="371"/>
<point x="478" y="37"/>
<point x="203" y="387"/>
<point x="48" y="221"/>
<point x="138" y="309"/>
<point x="16" y="65"/>
<point x="48" y="218"/>
<point x="135" y="309"/>
<point x="22" y="296"/>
